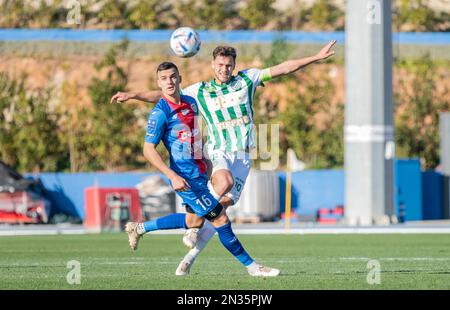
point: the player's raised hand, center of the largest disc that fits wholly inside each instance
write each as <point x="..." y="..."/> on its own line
<point x="122" y="97"/>
<point x="326" y="51"/>
<point x="179" y="184"/>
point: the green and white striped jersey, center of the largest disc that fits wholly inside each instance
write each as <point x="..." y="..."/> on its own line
<point x="227" y="109"/>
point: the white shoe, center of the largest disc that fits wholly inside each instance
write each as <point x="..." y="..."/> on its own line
<point x="183" y="268"/>
<point x="263" y="271"/>
<point x="190" y="237"/>
<point x="133" y="236"/>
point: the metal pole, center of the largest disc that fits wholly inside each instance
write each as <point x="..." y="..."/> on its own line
<point x="444" y="126"/>
<point x="369" y="142"/>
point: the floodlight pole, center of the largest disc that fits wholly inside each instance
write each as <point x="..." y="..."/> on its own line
<point x="369" y="131"/>
<point x="444" y="128"/>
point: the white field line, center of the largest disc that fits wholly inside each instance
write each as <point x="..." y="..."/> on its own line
<point x="261" y="231"/>
<point x="406" y="259"/>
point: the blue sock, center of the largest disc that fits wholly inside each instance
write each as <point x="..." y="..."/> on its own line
<point x="171" y="221"/>
<point x="232" y="244"/>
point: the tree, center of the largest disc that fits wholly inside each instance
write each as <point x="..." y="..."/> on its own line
<point x="29" y="139"/>
<point x="15" y="14"/>
<point x="47" y="15"/>
<point x="149" y="14"/>
<point x="204" y="14"/>
<point x="257" y="13"/>
<point x="324" y="15"/>
<point x="111" y="133"/>
<point x="312" y="126"/>
<point x="279" y="52"/>
<point x="114" y="14"/>
<point x="8" y="100"/>
<point x="266" y="107"/>
<point x="417" y="109"/>
<point x="294" y="18"/>
<point x="414" y="15"/>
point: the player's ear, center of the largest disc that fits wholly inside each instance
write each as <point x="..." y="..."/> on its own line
<point x="180" y="78"/>
<point x="212" y="64"/>
<point x="233" y="64"/>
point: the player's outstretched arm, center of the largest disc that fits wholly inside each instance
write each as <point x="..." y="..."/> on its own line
<point x="148" y="96"/>
<point x="293" y="65"/>
<point x="152" y="155"/>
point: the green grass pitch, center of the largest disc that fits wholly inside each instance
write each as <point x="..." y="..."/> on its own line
<point x="306" y="262"/>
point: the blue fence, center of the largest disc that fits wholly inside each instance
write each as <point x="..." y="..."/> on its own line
<point x="408" y="190"/>
<point x="312" y="190"/>
<point x="433" y="195"/>
<point x="418" y="195"/>
<point x="66" y="190"/>
<point x="245" y="36"/>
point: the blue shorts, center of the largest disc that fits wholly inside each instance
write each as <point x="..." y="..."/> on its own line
<point x="198" y="197"/>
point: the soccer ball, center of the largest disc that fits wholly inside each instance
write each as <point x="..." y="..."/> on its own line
<point x="185" y="42"/>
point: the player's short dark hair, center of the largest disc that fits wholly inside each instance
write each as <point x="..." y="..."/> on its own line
<point x="166" y="66"/>
<point x="225" y="51"/>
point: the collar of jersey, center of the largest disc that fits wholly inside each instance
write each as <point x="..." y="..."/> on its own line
<point x="173" y="103"/>
<point x="213" y="82"/>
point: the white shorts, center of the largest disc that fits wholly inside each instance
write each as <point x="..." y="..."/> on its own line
<point x="238" y="163"/>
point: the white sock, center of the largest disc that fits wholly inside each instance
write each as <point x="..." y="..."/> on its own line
<point x="253" y="266"/>
<point x="213" y="192"/>
<point x="140" y="229"/>
<point x="205" y="234"/>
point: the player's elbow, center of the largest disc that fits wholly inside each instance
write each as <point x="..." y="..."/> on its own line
<point x="148" y="151"/>
<point x="286" y="70"/>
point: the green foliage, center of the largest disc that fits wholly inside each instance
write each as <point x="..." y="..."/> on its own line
<point x="146" y="14"/>
<point x="318" y="147"/>
<point x="294" y="18"/>
<point x="266" y="109"/>
<point x="322" y="14"/>
<point x="111" y="136"/>
<point x="9" y="90"/>
<point x="48" y="15"/>
<point x="415" y="15"/>
<point x="411" y="15"/>
<point x="257" y="13"/>
<point x="279" y="53"/>
<point x="15" y="14"/>
<point x="29" y="128"/>
<point x="417" y="130"/>
<point x="442" y="21"/>
<point x="39" y="14"/>
<point x="35" y="136"/>
<point x="204" y="14"/>
<point x="101" y="89"/>
<point x="114" y="14"/>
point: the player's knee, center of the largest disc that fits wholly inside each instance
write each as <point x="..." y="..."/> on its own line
<point x="195" y="225"/>
<point x="222" y="182"/>
<point x="226" y="201"/>
<point x="194" y="222"/>
<point x="220" y="220"/>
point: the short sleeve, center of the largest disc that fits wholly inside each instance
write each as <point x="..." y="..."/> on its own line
<point x="156" y="126"/>
<point x="191" y="90"/>
<point x="258" y="76"/>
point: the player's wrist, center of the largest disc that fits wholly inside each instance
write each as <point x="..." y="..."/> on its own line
<point x="317" y="57"/>
<point x="172" y="175"/>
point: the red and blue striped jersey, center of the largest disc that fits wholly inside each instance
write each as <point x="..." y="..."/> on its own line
<point x="176" y="125"/>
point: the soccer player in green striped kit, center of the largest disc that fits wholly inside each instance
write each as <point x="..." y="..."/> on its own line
<point x="225" y="104"/>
